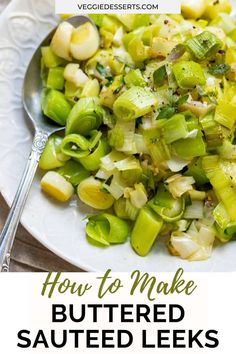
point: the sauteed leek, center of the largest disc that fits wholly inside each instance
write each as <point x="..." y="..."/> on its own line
<point x="148" y="103"/>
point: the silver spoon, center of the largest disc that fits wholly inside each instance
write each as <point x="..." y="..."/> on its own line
<point x="32" y="89"/>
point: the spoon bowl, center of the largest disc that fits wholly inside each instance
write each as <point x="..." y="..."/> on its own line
<point x="32" y="89"/>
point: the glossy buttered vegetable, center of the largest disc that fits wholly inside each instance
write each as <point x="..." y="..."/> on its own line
<point x="107" y="229"/>
<point x="149" y="110"/>
<point x="91" y="193"/>
<point x="84" y="41"/>
<point x="57" y="186"/>
<point x="61" y="40"/>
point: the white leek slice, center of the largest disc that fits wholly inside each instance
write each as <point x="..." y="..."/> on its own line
<point x="202" y="254"/>
<point x="60" y="44"/>
<point x="118" y="36"/>
<point x="128" y="130"/>
<point x="117" y="186"/>
<point x="108" y="161"/>
<point x="178" y="185"/>
<point x="176" y="164"/>
<point x="74" y="74"/>
<point x="184" y="245"/>
<point x="206" y="236"/>
<point x="84" y="41"/>
<point x="90" y="191"/>
<point x="196" y="243"/>
<point x="138" y="197"/>
<point x="194" y="211"/>
<point x="193" y="8"/>
<point x="104" y="174"/>
<point x="130" y="163"/>
<point x="183" y="225"/>
<point x="57" y="186"/>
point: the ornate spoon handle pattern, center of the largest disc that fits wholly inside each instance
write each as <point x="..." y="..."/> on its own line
<point x="9" y="230"/>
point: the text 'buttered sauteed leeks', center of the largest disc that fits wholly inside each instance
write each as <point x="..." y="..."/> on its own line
<point x="148" y="103"/>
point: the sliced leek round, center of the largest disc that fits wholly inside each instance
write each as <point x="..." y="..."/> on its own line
<point x="166" y="206"/>
<point x="57" y="186"/>
<point x="85" y="116"/>
<point x="193" y="9"/>
<point x="107" y="229"/>
<point x="61" y="40"/>
<point x="52" y="157"/>
<point x="90" y="191"/>
<point x="75" y="75"/>
<point x="172" y="214"/>
<point x="93" y="160"/>
<point x="84" y="41"/>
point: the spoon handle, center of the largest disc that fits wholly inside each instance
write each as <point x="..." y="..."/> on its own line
<point x="9" y="230"/>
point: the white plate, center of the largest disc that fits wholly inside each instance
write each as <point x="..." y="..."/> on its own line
<point x="61" y="227"/>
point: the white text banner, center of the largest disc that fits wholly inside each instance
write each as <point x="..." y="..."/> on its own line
<point x="117" y="6"/>
<point x="126" y="312"/>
